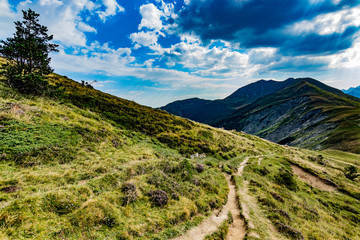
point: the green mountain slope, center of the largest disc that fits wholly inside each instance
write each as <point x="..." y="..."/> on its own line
<point x="212" y="111"/>
<point x="299" y="112"/>
<point x="306" y="114"/>
<point x="89" y="165"/>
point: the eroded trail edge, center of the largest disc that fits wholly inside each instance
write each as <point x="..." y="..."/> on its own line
<point x="311" y="179"/>
<point x="211" y="224"/>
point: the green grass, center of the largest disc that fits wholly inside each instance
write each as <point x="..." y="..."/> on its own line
<point x="65" y="162"/>
<point x="293" y="206"/>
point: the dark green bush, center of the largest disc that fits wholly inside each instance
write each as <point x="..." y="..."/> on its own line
<point x="351" y="172"/>
<point x="286" y="178"/>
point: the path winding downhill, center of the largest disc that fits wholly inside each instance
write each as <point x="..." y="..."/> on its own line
<point x="237" y="229"/>
<point x="211" y="224"/>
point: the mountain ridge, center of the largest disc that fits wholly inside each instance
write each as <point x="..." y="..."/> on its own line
<point x="316" y="104"/>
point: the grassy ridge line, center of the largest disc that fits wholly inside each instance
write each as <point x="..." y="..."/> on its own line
<point x="174" y="131"/>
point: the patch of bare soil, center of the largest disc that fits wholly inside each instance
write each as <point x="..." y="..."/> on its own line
<point x="10" y="189"/>
<point x="312" y="179"/>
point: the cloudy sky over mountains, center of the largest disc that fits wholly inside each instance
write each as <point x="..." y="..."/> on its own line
<point x="158" y="51"/>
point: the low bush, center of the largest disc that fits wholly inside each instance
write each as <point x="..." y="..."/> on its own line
<point x="159" y="198"/>
<point x="129" y="189"/>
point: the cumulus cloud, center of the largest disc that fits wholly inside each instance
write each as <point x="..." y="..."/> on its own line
<point x="147" y="39"/>
<point x="111" y="9"/>
<point x="324" y="24"/>
<point x="151" y="17"/>
<point x="156" y="22"/>
<point x="63" y="17"/>
<point x="258" y="23"/>
<point x="6" y="16"/>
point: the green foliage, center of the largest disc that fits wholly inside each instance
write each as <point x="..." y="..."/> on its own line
<point x="27" y="54"/>
<point x="186" y="170"/>
<point x="351" y="172"/>
<point x="286" y="178"/>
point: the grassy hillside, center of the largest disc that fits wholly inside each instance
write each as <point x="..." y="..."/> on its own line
<point x="307" y="114"/>
<point x="89" y="165"/>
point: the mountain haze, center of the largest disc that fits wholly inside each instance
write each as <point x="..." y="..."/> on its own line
<point x="354" y="91"/>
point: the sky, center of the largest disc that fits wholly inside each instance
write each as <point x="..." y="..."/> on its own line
<point x="155" y="51"/>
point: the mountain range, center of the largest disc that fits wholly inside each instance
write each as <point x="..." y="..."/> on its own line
<point x="354" y="91"/>
<point x="298" y="112"/>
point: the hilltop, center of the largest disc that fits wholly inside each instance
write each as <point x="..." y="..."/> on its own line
<point x="298" y="112"/>
<point x="88" y="165"/>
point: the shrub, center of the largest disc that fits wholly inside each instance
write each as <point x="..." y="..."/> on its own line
<point x="186" y="170"/>
<point x="199" y="168"/>
<point x="351" y="172"/>
<point x="129" y="189"/>
<point x="159" y="198"/>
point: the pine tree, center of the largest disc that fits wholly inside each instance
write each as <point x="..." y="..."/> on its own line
<point x="27" y="53"/>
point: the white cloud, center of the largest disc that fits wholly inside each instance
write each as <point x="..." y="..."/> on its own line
<point x="335" y="22"/>
<point x="62" y="17"/>
<point x="7" y="17"/>
<point x="112" y="8"/>
<point x="147" y="39"/>
<point x="153" y="24"/>
<point x="85" y="27"/>
<point x="150" y="17"/>
<point x="350" y="58"/>
<point x="50" y="3"/>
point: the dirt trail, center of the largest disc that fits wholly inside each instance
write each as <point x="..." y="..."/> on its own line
<point x="237" y="229"/>
<point x="312" y="179"/>
<point x="211" y="224"/>
<point x="242" y="165"/>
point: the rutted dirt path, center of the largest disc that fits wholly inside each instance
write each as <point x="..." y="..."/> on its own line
<point x="237" y="229"/>
<point x="211" y="224"/>
<point x="312" y="179"/>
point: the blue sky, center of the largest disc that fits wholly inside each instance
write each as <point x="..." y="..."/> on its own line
<point x="156" y="51"/>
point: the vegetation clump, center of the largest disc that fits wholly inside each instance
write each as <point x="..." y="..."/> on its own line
<point x="129" y="189"/>
<point x="286" y="178"/>
<point x="159" y="197"/>
<point x="351" y="172"/>
<point x="295" y="234"/>
<point x="199" y="168"/>
<point x="186" y="169"/>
